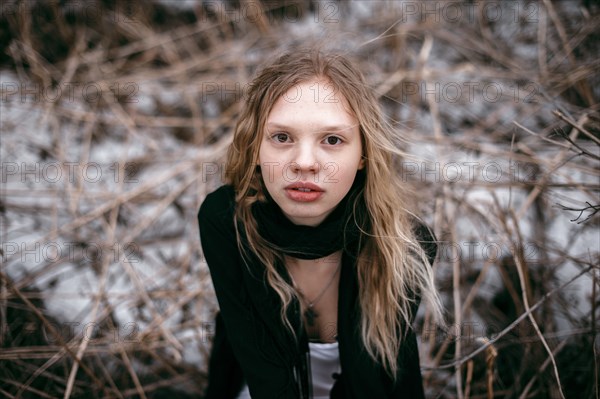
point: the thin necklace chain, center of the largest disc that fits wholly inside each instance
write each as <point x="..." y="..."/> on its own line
<point x="314" y="302"/>
<point x="309" y="313"/>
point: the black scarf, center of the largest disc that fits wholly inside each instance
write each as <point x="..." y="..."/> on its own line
<point x="338" y="231"/>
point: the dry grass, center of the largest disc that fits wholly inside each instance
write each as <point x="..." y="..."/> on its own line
<point x="104" y="292"/>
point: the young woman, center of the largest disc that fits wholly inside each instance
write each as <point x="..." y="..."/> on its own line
<point x="317" y="263"/>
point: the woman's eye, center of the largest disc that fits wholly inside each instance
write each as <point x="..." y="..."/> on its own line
<point x="280" y="137"/>
<point x="333" y="140"/>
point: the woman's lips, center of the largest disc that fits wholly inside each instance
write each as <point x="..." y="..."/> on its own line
<point x="303" y="192"/>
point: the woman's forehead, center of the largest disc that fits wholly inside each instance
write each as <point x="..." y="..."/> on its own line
<point x="317" y="98"/>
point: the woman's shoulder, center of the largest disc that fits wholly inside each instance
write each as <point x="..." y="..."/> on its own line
<point x="219" y="205"/>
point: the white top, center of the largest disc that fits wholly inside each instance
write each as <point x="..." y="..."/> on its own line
<point x="324" y="361"/>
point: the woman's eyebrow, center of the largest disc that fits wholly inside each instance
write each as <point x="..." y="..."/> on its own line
<point x="278" y="126"/>
<point x="322" y="129"/>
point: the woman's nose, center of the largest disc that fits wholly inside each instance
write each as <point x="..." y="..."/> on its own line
<point x="305" y="159"/>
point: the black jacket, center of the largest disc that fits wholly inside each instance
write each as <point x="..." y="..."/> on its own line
<point x="250" y="342"/>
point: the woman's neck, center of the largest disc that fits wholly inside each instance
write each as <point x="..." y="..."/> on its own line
<point x="317" y="283"/>
<point x="321" y="266"/>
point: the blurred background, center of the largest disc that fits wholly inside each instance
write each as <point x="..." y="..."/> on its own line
<point x="115" y="118"/>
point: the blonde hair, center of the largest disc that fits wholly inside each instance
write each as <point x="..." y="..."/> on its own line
<point x="392" y="268"/>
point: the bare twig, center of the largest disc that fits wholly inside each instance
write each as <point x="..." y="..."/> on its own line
<point x="592" y="208"/>
<point x="512" y="325"/>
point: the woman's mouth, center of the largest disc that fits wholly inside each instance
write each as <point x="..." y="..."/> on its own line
<point x="303" y="192"/>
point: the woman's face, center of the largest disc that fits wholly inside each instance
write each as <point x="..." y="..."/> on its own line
<point x="310" y="152"/>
